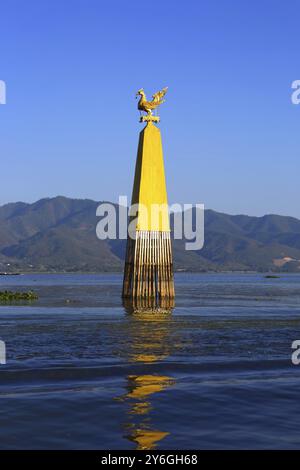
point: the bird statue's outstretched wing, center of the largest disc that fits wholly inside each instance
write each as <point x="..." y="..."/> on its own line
<point x="158" y="96"/>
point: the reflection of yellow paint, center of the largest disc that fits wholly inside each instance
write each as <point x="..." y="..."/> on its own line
<point x="147" y="439"/>
<point x="141" y="387"/>
<point x="142" y="408"/>
<point x="150" y="341"/>
<point x="149" y="188"/>
<point x="146" y="357"/>
<point x="145" y="385"/>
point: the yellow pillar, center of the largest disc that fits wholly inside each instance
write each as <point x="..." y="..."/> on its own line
<point x="149" y="189"/>
<point x="148" y="269"/>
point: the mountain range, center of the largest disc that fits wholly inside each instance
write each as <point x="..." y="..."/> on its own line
<point x="59" y="234"/>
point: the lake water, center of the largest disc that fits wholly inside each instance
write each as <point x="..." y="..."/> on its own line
<point x="83" y="372"/>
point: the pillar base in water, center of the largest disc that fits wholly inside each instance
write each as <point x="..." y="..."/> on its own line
<point x="148" y="268"/>
<point x="162" y="306"/>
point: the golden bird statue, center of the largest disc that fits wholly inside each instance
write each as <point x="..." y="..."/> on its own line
<point x="149" y="106"/>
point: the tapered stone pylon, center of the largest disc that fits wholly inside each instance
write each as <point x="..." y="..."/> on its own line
<point x="148" y="269"/>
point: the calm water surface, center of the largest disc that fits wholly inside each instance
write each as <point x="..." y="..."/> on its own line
<point x="83" y="372"/>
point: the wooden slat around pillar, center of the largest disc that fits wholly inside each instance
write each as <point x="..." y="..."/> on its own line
<point x="148" y="267"/>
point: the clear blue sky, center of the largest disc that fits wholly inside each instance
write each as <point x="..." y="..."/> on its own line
<point x="230" y="133"/>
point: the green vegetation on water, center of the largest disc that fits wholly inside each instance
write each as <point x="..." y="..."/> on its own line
<point x="9" y="296"/>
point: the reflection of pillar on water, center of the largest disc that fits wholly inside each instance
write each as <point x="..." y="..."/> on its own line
<point x="140" y="429"/>
<point x="150" y="322"/>
<point x="150" y="342"/>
